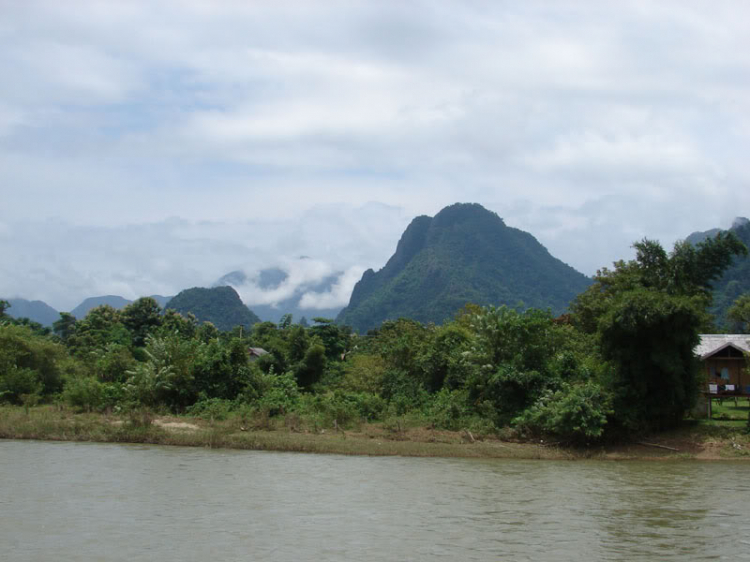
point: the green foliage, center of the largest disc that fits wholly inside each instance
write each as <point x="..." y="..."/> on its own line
<point x="575" y="413"/>
<point x="646" y="315"/>
<point x="364" y="373"/>
<point x="85" y="393"/>
<point x="212" y="408"/>
<point x="449" y="409"/>
<point x="18" y="382"/>
<point x="443" y="362"/>
<point x="311" y="368"/>
<point x="740" y="312"/>
<point x="280" y="394"/>
<point x="113" y="362"/>
<point x="341" y="408"/>
<point x="649" y="338"/>
<point x="29" y="364"/>
<point x="65" y="326"/>
<point x="141" y="318"/>
<point x="102" y="326"/>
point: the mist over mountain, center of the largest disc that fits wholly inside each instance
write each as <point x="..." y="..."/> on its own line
<point x="303" y="288"/>
<point x="221" y="306"/>
<point x="736" y="279"/>
<point x="465" y="254"/>
<point x="38" y="311"/>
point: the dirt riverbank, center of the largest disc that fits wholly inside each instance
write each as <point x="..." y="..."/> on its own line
<point x="694" y="441"/>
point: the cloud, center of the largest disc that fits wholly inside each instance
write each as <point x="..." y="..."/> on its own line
<point x="279" y="129"/>
<point x="62" y="263"/>
<point x="339" y="294"/>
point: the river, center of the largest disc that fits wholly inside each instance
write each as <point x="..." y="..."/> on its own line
<point x="84" y="501"/>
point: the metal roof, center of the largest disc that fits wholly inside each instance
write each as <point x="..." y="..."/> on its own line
<point x="711" y="343"/>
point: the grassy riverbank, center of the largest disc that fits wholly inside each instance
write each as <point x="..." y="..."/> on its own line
<point x="697" y="440"/>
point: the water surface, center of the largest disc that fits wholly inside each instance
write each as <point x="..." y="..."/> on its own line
<point x="82" y="501"/>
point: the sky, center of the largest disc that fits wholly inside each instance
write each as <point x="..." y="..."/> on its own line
<point x="151" y="146"/>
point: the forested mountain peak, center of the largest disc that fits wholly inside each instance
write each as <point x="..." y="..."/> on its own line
<point x="221" y="306"/>
<point x="464" y="254"/>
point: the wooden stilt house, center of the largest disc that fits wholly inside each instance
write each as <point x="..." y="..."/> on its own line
<point x="724" y="357"/>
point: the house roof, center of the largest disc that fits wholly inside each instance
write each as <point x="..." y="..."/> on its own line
<point x="711" y="343"/>
<point x="257" y="351"/>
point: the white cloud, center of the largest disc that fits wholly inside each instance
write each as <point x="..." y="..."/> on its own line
<point x="279" y="129"/>
<point x="339" y="294"/>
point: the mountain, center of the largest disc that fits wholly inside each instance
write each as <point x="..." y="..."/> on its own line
<point x="114" y="301"/>
<point x="271" y="279"/>
<point x="161" y="300"/>
<point x="465" y="254"/>
<point x="736" y="279"/>
<point x="219" y="305"/>
<point x="38" y="311"/>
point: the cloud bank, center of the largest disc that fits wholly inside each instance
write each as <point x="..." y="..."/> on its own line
<point x="150" y="146"/>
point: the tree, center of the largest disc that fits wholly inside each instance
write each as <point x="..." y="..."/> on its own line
<point x="100" y="327"/>
<point x="649" y="338"/>
<point x="646" y="314"/>
<point x="4" y="305"/>
<point x="312" y="366"/>
<point x="740" y="312"/>
<point x="141" y="318"/>
<point x="65" y="326"/>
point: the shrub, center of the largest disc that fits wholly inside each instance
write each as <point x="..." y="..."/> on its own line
<point x="212" y="408"/>
<point x="85" y="393"/>
<point x="17" y="382"/>
<point x="448" y="409"/>
<point x="280" y="394"/>
<point x="575" y="413"/>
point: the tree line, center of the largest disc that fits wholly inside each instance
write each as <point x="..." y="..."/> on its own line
<point x="621" y="362"/>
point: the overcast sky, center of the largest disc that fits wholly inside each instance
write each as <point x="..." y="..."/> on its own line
<point x="146" y="147"/>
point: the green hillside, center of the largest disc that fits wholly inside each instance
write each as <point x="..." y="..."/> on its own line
<point x="221" y="306"/>
<point x="735" y="281"/>
<point x="465" y="254"/>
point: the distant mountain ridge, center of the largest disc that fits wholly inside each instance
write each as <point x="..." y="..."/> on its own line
<point x="465" y="254"/>
<point x="115" y="301"/>
<point x="38" y="311"/>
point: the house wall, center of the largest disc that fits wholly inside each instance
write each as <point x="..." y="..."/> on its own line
<point x="735" y="367"/>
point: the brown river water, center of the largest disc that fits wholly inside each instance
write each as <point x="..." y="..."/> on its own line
<point x="83" y="501"/>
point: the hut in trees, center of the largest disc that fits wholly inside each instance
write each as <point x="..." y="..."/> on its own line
<point x="256" y="352"/>
<point x="725" y="363"/>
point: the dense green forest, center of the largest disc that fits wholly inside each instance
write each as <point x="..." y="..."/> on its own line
<point x="464" y="254"/>
<point x="619" y="363"/>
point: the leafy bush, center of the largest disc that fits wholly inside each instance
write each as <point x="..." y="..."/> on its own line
<point x="16" y="383"/>
<point x="449" y="408"/>
<point x="85" y="393"/>
<point x="575" y="412"/>
<point x="509" y="390"/>
<point x="280" y="394"/>
<point x="212" y="408"/>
